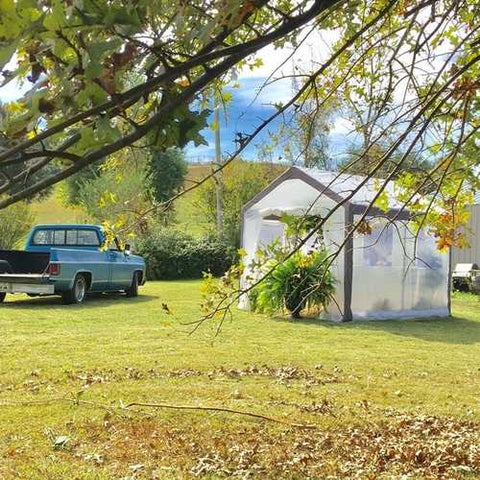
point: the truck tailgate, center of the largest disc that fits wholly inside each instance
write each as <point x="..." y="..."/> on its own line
<point x="26" y="283"/>
<point x="24" y="277"/>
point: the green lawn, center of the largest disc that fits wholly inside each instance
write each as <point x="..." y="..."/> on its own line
<point x="388" y="398"/>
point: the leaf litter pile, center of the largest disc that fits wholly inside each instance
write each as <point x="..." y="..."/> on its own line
<point x="399" y="446"/>
<point x="280" y="374"/>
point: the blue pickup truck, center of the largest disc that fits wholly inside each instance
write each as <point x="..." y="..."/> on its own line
<point x="70" y="260"/>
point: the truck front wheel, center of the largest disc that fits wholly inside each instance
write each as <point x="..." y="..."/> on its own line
<point x="2" y="296"/>
<point x="78" y="291"/>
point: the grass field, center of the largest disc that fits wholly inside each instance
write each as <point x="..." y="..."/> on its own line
<point x="387" y="398"/>
<point x="53" y="210"/>
<point x="186" y="214"/>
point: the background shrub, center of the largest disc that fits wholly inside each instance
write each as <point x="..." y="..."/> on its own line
<point x="171" y="254"/>
<point x="15" y="223"/>
<point x="116" y="195"/>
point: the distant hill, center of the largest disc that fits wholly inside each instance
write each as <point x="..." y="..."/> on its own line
<point x="53" y="210"/>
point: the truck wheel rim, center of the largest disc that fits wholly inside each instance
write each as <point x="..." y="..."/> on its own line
<point x="80" y="290"/>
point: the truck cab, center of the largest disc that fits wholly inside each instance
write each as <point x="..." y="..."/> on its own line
<point x="44" y="238"/>
<point x="70" y="260"/>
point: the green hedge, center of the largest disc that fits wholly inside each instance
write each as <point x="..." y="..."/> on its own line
<point x="171" y="255"/>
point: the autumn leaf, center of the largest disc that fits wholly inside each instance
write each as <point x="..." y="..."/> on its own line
<point x="364" y="227"/>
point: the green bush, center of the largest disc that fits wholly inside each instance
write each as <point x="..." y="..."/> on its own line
<point x="171" y="254"/>
<point x="15" y="221"/>
<point x="302" y="281"/>
<point x="116" y="195"/>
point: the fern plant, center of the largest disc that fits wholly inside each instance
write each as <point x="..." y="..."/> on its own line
<point x="302" y="281"/>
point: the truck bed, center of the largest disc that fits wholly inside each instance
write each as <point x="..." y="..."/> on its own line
<point x="24" y="272"/>
<point x="21" y="262"/>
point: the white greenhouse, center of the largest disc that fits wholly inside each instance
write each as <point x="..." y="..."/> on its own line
<point x="377" y="274"/>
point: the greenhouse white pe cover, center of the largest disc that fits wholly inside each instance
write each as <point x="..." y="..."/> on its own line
<point x="388" y="273"/>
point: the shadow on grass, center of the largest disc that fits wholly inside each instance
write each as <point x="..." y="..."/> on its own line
<point x="455" y="330"/>
<point x="93" y="300"/>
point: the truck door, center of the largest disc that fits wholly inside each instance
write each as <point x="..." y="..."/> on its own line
<point x="93" y="258"/>
<point x="119" y="271"/>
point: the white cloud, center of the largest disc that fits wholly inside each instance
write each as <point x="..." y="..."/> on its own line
<point x="342" y="126"/>
<point x="12" y="91"/>
<point x="277" y="91"/>
<point x="313" y="48"/>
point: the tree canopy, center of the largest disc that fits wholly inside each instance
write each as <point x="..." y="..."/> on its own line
<point x="167" y="172"/>
<point x="106" y="75"/>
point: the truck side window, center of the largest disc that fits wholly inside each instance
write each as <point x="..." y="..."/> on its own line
<point x="71" y="237"/>
<point x="88" y="238"/>
<point x="59" y="237"/>
<point x="114" y="245"/>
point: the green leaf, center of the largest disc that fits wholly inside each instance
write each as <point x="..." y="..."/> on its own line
<point x="56" y="19"/>
<point x="93" y="70"/>
<point x="98" y="50"/>
<point x="382" y="202"/>
<point x="106" y="132"/>
<point x="92" y="93"/>
<point x="6" y="53"/>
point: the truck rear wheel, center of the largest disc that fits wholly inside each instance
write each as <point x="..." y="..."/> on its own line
<point x="78" y="291"/>
<point x="2" y="296"/>
<point x="132" y="290"/>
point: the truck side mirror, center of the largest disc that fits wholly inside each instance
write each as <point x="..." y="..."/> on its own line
<point x="127" y="249"/>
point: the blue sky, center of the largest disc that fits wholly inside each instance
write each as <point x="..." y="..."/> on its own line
<point x="246" y="111"/>
<point x="242" y="114"/>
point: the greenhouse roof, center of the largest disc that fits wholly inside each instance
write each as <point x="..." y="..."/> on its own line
<point x="343" y="185"/>
<point x="349" y="190"/>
